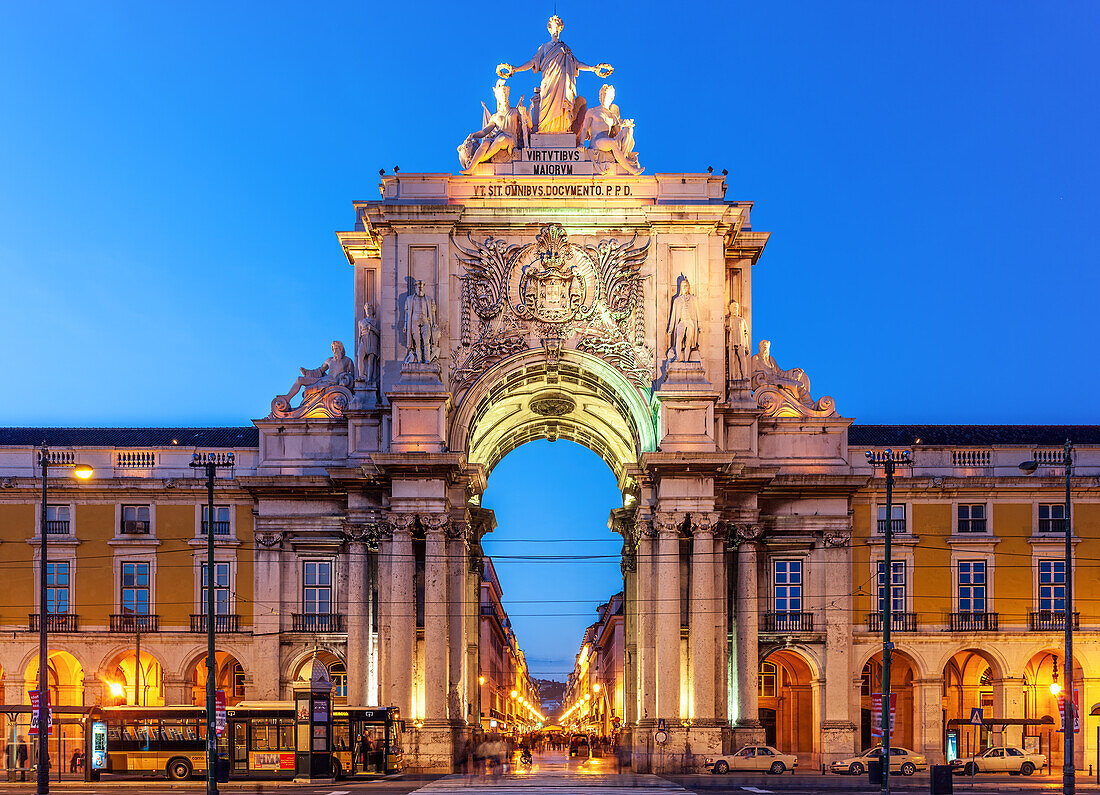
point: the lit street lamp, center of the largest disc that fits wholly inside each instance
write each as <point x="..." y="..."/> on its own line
<point x="1069" y="709"/>
<point x="82" y="471"/>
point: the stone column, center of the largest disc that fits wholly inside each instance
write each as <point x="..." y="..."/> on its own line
<point x="358" y="618"/>
<point x="645" y="646"/>
<point x="928" y="719"/>
<point x="703" y="641"/>
<point x="1008" y="700"/>
<point x="748" y="729"/>
<point x="401" y="610"/>
<point x="839" y="732"/>
<point x="267" y="615"/>
<point x="667" y="608"/>
<point x="456" y="598"/>
<point x="436" y="644"/>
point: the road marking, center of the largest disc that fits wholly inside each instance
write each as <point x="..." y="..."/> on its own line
<point x="334" y="791"/>
<point x="756" y="789"/>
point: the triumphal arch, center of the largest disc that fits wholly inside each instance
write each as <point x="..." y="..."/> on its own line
<point x="552" y="289"/>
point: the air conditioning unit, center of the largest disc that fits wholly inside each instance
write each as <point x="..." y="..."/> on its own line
<point x="134" y="526"/>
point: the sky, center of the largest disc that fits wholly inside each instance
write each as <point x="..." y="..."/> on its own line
<point x="171" y="175"/>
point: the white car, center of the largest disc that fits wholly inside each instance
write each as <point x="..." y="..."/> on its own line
<point x="757" y="758"/>
<point x="902" y="760"/>
<point x="1000" y="759"/>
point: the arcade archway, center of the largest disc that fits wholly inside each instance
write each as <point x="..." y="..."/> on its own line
<point x="1043" y="687"/>
<point x="128" y="681"/>
<point x="64" y="677"/>
<point x="787" y="702"/>
<point x="228" y="677"/>
<point x="902" y="674"/>
<point x="969" y="680"/>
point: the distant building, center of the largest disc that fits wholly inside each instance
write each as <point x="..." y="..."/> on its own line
<point x="595" y="690"/>
<point x="507" y="695"/>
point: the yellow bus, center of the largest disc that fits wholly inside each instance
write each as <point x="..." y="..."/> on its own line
<point x="258" y="740"/>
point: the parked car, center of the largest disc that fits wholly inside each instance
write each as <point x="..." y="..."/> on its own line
<point x="1000" y="759"/>
<point x="757" y="758"/>
<point x="902" y="760"/>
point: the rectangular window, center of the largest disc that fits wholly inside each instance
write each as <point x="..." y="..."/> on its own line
<point x="897" y="519"/>
<point x="1052" y="517"/>
<point x="135" y="589"/>
<point x="135" y="519"/>
<point x="972" y="586"/>
<point x="57" y="519"/>
<point x="972" y="518"/>
<point x="788" y="586"/>
<point x="221" y="589"/>
<point x="897" y="586"/>
<point x="1052" y="586"/>
<point x="221" y="520"/>
<point x="317" y="587"/>
<point x="57" y="587"/>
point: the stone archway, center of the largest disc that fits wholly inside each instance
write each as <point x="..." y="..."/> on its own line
<point x="903" y="674"/>
<point x="229" y="677"/>
<point x="127" y="682"/>
<point x="789" y="702"/>
<point x="1042" y="676"/>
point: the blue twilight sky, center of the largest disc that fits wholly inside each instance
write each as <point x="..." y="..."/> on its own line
<point x="171" y="174"/>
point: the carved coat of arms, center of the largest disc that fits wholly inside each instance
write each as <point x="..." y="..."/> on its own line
<point x="588" y="296"/>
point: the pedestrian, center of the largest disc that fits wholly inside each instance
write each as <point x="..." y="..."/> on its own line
<point x="21" y="756"/>
<point x="366" y="751"/>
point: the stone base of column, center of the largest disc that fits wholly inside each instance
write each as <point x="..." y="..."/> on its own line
<point x="683" y="751"/>
<point x="838" y="740"/>
<point x="748" y="733"/>
<point x="429" y="748"/>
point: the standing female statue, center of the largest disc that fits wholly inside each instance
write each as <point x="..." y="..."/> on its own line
<point x="558" y="90"/>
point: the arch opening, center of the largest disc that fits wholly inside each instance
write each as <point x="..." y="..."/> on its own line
<point x="228" y="676"/>
<point x="64" y="678"/>
<point x="902" y="674"/>
<point x="578" y="397"/>
<point x="1043" y="675"/>
<point x="129" y="681"/>
<point x="337" y="671"/>
<point x="788" y="702"/>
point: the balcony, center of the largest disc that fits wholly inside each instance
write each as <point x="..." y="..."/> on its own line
<point x="899" y="622"/>
<point x="220" y="528"/>
<point x="1052" y="526"/>
<point x="897" y="526"/>
<point x="56" y="622"/>
<point x="1051" y="621"/>
<point x="135" y="527"/>
<point x="316" y="622"/>
<point x="971" y="458"/>
<point x="57" y="527"/>
<point x="134" y="622"/>
<point x="788" y="622"/>
<point x="222" y="623"/>
<point x="973" y="622"/>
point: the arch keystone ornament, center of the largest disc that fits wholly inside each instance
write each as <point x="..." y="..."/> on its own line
<point x="553" y="291"/>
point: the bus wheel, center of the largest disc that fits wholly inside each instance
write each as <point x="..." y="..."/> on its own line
<point x="337" y="770"/>
<point x="179" y="769"/>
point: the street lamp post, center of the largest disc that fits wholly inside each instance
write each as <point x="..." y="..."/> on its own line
<point x="210" y="463"/>
<point x="1069" y="708"/>
<point x="84" y="472"/>
<point x="888" y="463"/>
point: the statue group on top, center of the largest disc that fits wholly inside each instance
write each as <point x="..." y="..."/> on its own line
<point x="555" y="109"/>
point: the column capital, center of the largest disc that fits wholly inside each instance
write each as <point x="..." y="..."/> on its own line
<point x="434" y="523"/>
<point x="704" y="522"/>
<point x="362" y="533"/>
<point x="669" y="522"/>
<point x="745" y="533"/>
<point x="837" y="538"/>
<point x="269" y="538"/>
<point x="644" y="528"/>
<point x="400" y="522"/>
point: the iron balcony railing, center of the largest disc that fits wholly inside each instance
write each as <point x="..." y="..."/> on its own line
<point x="781" y="621"/>
<point x="1049" y="620"/>
<point x="56" y="622"/>
<point x="317" y="622"/>
<point x="222" y="623"/>
<point x="220" y="528"/>
<point x="897" y="526"/>
<point x="1053" y="526"/>
<point x="899" y="622"/>
<point x="974" y="622"/>
<point x="135" y="622"/>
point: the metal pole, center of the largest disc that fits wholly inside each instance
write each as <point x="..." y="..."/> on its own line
<point x="1069" y="711"/>
<point x="211" y="663"/>
<point x="887" y="619"/>
<point x="43" y="776"/>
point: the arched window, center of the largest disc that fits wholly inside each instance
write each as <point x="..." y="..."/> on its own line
<point x="339" y="674"/>
<point x="769" y="679"/>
